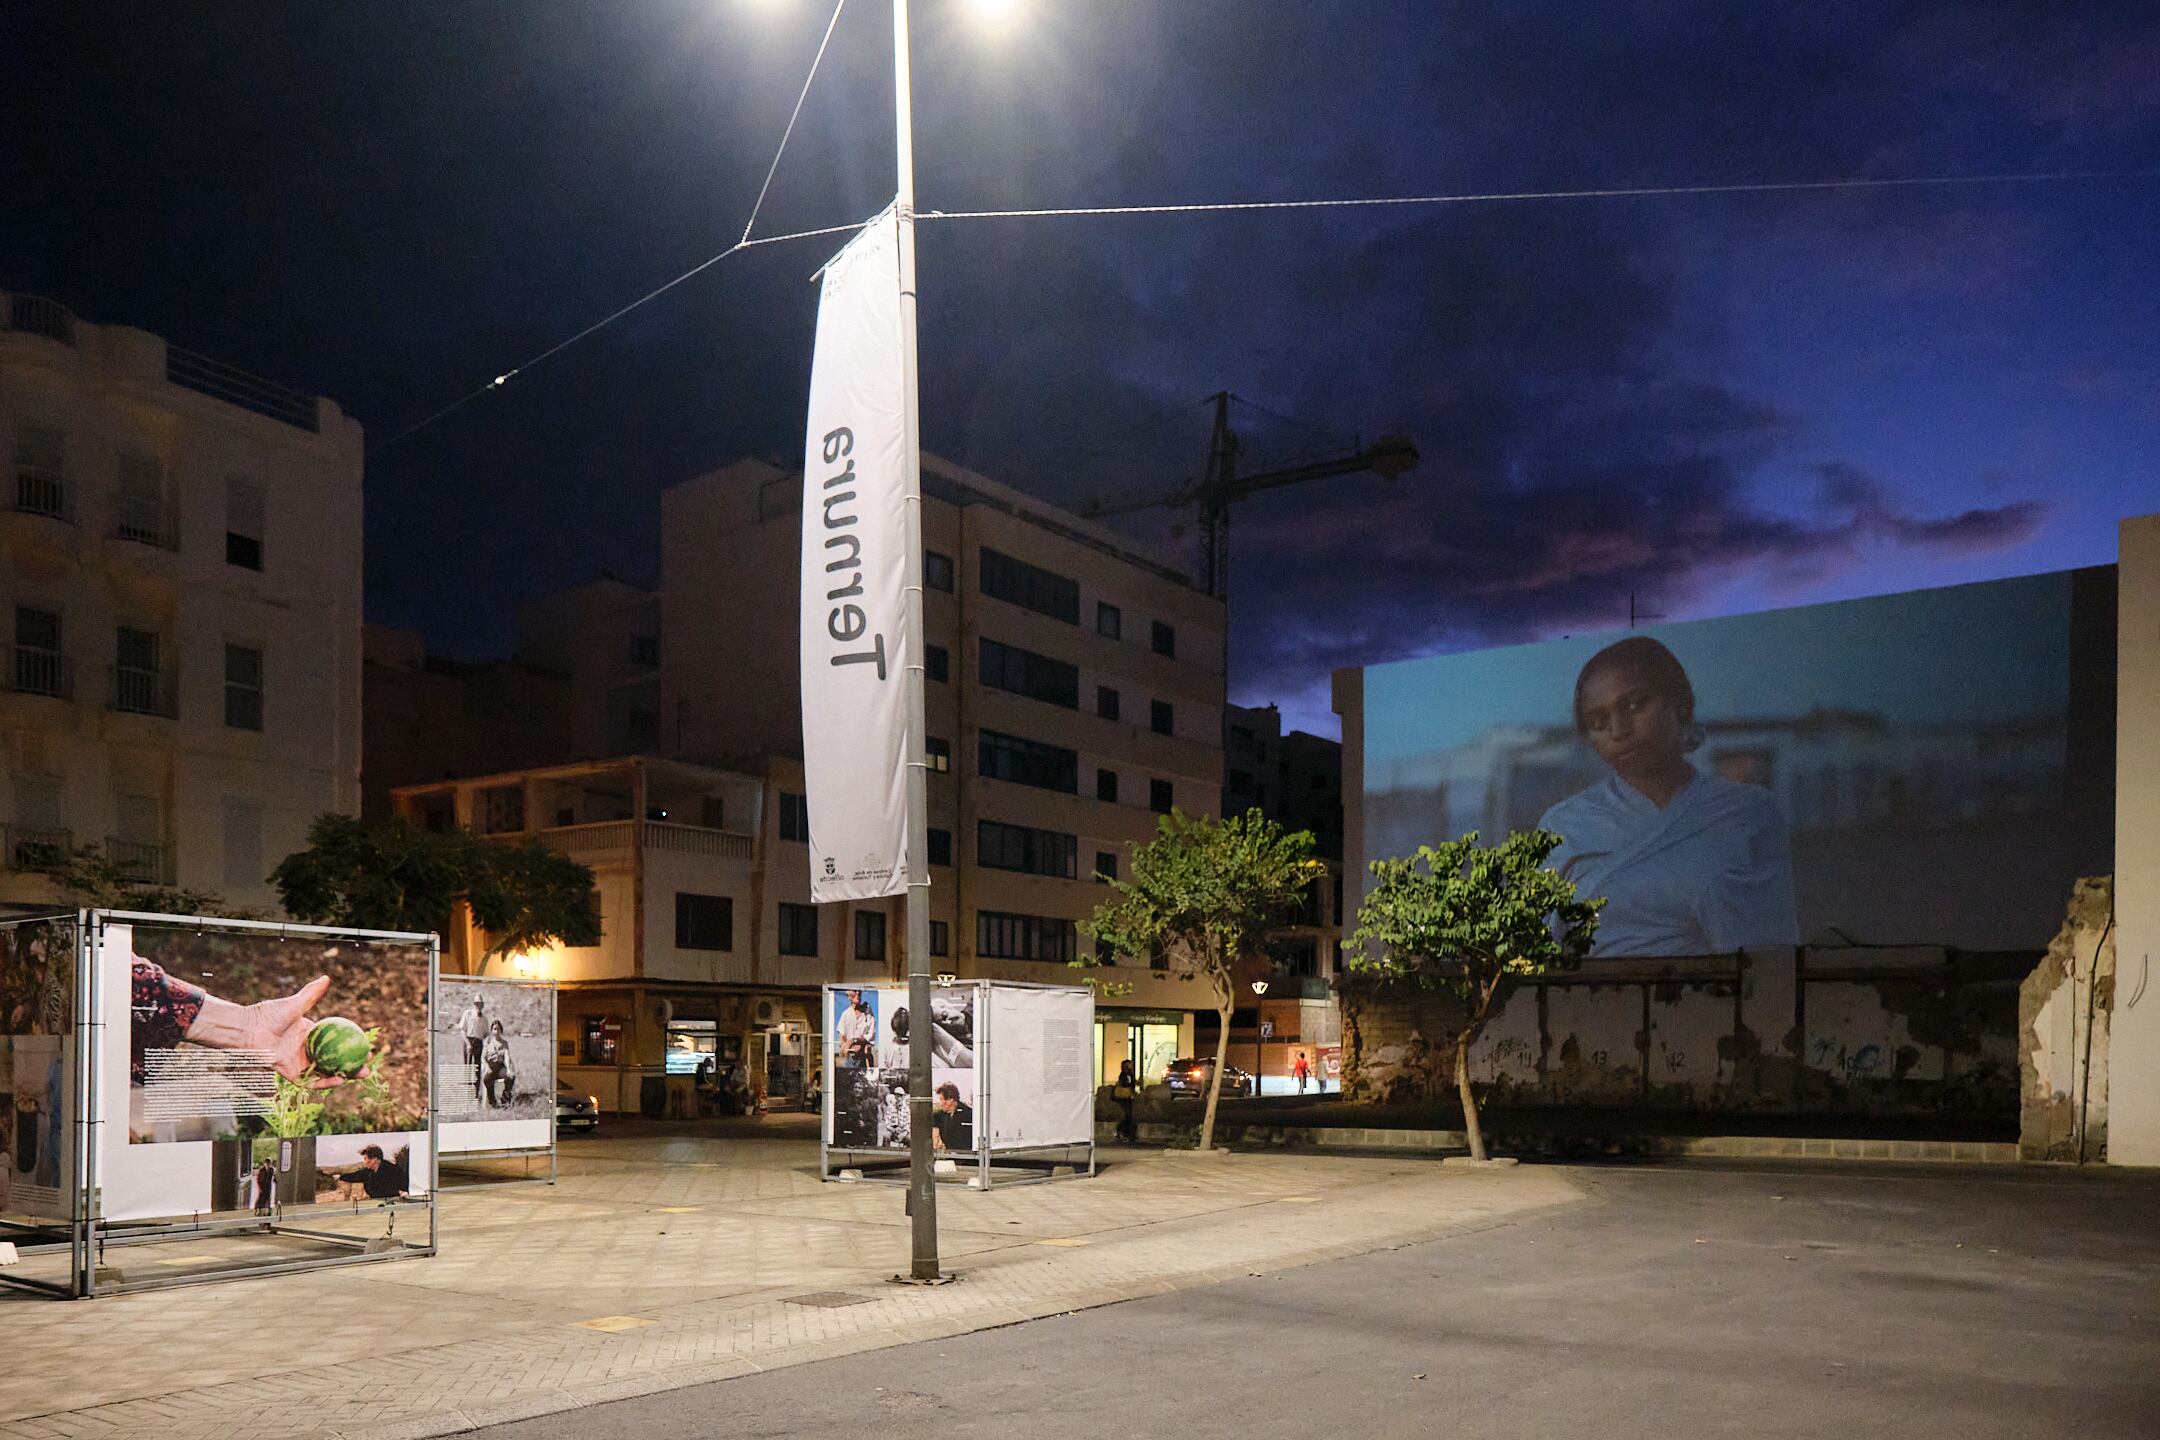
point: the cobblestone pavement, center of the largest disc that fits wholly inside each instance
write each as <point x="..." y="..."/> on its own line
<point x="659" y="1262"/>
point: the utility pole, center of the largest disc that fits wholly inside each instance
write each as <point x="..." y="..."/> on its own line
<point x="922" y="1178"/>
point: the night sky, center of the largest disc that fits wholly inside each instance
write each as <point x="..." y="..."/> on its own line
<point x="1712" y="403"/>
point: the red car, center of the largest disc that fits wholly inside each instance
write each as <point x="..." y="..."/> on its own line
<point x="1190" y="1078"/>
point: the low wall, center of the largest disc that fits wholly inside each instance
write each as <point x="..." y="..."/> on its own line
<point x="1910" y="1031"/>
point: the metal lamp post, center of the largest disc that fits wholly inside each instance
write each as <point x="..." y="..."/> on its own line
<point x="1259" y="1053"/>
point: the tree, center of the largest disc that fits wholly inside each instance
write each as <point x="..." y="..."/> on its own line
<point x="89" y="878"/>
<point x="1471" y="919"/>
<point x="393" y="876"/>
<point x="1202" y="893"/>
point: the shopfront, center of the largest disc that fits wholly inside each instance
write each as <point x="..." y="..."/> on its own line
<point x="1150" y="1039"/>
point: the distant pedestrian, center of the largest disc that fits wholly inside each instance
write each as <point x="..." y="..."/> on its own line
<point x="1125" y="1092"/>
<point x="1303" y="1071"/>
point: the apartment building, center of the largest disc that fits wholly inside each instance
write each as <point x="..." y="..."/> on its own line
<point x="604" y="637"/>
<point x="182" y="556"/>
<point x="425" y="718"/>
<point x="1075" y="694"/>
<point x="710" y="945"/>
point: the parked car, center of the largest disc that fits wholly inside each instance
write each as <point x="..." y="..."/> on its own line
<point x="1189" y="1078"/>
<point x="574" y="1111"/>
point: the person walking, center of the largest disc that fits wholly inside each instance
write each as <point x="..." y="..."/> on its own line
<point x="1125" y="1092"/>
<point x="1303" y="1071"/>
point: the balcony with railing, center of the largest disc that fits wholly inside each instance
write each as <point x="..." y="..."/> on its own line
<point x="30" y="670"/>
<point x="142" y="861"/>
<point x="138" y="691"/>
<point x="41" y="490"/>
<point x="28" y="847"/>
<point x="155" y="523"/>
<point x="612" y="839"/>
<point x="35" y="315"/>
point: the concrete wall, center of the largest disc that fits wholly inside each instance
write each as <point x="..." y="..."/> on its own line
<point x="2134" y="1041"/>
<point x="1904" y="1032"/>
<point x="2064" y="1013"/>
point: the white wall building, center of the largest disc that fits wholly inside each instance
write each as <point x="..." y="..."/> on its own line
<point x="180" y="544"/>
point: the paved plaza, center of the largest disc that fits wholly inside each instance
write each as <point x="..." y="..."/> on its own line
<point x="1758" y="1301"/>
<point x="661" y="1261"/>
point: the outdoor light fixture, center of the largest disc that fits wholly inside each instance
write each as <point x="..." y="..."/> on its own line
<point x="946" y="977"/>
<point x="1259" y="1053"/>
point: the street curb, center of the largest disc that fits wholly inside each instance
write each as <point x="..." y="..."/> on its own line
<point x="1354" y="1139"/>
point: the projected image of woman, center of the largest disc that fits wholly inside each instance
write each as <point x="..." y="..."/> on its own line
<point x="1689" y="863"/>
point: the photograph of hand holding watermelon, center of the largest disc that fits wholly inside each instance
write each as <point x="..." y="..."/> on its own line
<point x="238" y="1035"/>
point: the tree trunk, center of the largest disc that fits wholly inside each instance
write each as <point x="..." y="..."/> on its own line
<point x="1469" y="1101"/>
<point x="1214" y="1091"/>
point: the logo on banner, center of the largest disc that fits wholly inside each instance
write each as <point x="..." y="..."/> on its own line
<point x="830" y="868"/>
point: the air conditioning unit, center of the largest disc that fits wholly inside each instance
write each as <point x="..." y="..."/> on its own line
<point x="765" y="1012"/>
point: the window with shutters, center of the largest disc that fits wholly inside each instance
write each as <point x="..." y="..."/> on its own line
<point x="245" y="508"/>
<point x="869" y="935"/>
<point x="243" y="687"/>
<point x="244" y="868"/>
<point x="39" y="665"/>
<point x="41" y="470"/>
<point x="140" y="513"/>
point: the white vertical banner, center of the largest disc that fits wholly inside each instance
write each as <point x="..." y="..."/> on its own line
<point x="855" y="644"/>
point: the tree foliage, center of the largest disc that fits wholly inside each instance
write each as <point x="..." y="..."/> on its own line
<point x="394" y="876"/>
<point x="1470" y="919"/>
<point x="88" y="878"/>
<point x="1203" y="893"/>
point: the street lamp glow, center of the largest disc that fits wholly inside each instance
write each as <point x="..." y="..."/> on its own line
<point x="994" y="12"/>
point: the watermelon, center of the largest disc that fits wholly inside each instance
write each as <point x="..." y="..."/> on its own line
<point x="337" y="1046"/>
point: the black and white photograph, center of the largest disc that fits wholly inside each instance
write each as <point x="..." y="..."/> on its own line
<point x="495" y="1050"/>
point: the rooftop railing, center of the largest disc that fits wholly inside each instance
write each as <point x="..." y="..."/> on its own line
<point x="35" y="315"/>
<point x="237" y="387"/>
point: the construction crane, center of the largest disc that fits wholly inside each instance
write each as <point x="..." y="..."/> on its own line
<point x="1387" y="457"/>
